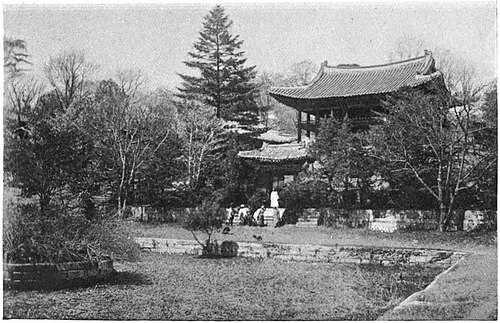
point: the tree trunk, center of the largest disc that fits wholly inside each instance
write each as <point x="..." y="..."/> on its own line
<point x="44" y="204"/>
<point x="460" y="219"/>
<point x="442" y="216"/>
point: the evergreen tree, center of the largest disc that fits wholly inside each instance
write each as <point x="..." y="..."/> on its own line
<point x="224" y="82"/>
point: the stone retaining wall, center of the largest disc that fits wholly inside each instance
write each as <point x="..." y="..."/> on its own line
<point x="379" y="220"/>
<point x="346" y="254"/>
<point x="54" y="276"/>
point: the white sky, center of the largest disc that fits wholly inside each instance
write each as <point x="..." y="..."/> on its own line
<point x="157" y="37"/>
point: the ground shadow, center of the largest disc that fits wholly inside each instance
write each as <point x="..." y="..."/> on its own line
<point x="129" y="278"/>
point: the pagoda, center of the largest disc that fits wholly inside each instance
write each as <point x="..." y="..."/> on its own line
<point x="344" y="91"/>
<point x="353" y="91"/>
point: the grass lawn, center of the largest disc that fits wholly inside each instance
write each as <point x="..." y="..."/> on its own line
<point x="469" y="291"/>
<point x="175" y="287"/>
<point x="162" y="287"/>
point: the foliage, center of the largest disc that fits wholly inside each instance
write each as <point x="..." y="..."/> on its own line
<point x="224" y="82"/>
<point x="207" y="219"/>
<point x="258" y="199"/>
<point x="15" y="56"/>
<point x="130" y="138"/>
<point x="48" y="155"/>
<point x="60" y="236"/>
<point x="434" y="140"/>
<point x="304" y="193"/>
<point x="344" y="154"/>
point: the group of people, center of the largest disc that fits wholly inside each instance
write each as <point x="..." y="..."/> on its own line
<point x="244" y="217"/>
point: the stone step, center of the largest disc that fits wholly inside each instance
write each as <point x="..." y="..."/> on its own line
<point x="307" y="224"/>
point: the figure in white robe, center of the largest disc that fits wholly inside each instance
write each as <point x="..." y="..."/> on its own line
<point x="274" y="199"/>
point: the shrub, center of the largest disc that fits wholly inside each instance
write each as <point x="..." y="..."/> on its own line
<point x="334" y="218"/>
<point x="258" y="199"/>
<point x="208" y="219"/>
<point x="488" y="221"/>
<point x="62" y="237"/>
<point x="305" y="194"/>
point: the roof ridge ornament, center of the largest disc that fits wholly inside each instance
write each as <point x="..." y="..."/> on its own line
<point x="320" y="72"/>
<point x="430" y="66"/>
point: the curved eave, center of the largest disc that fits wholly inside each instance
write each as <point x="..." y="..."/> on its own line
<point x="277" y="161"/>
<point x="358" y="80"/>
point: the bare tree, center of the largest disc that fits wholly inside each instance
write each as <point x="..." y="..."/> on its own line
<point x="24" y="93"/>
<point x="129" y="133"/>
<point x="69" y="73"/>
<point x="302" y="73"/>
<point x="433" y="137"/>
<point x="131" y="82"/>
<point x="406" y="47"/>
<point x="200" y="130"/>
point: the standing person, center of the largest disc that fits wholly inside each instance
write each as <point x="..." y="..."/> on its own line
<point x="229" y="211"/>
<point x="275" y="205"/>
<point x="258" y="216"/>
<point x="232" y="214"/>
<point x="243" y="214"/>
<point x="275" y="199"/>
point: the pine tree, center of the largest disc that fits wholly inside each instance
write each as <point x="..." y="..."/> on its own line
<point x="224" y="82"/>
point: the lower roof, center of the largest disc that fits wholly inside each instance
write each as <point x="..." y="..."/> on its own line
<point x="296" y="152"/>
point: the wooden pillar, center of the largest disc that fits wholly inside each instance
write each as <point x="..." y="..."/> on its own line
<point x="317" y="123"/>
<point x="345" y="109"/>
<point x="308" y="121"/>
<point x="299" y="125"/>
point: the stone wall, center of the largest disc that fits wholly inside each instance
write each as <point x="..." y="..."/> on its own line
<point x="54" y="276"/>
<point x="379" y="220"/>
<point x="392" y="220"/>
<point x="345" y="254"/>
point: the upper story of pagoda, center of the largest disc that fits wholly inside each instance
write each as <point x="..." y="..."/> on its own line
<point x="353" y="91"/>
<point x="344" y="82"/>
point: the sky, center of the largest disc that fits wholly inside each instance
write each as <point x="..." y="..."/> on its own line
<point x="157" y="37"/>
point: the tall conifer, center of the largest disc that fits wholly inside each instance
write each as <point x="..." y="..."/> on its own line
<point x="223" y="82"/>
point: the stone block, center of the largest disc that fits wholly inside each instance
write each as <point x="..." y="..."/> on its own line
<point x="76" y="274"/>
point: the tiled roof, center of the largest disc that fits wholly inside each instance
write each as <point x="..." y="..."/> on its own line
<point x="275" y="137"/>
<point x="347" y="81"/>
<point x="277" y="153"/>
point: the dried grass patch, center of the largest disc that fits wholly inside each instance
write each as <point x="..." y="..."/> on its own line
<point x="171" y="287"/>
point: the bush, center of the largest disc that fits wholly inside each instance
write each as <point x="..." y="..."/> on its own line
<point x="305" y="194"/>
<point x="334" y="218"/>
<point x="291" y="216"/>
<point x="208" y="219"/>
<point x="258" y="199"/>
<point x="61" y="237"/>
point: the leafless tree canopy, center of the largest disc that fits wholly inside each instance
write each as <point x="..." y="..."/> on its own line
<point x="68" y="74"/>
<point x="303" y="72"/>
<point x="131" y="82"/>
<point x="24" y="93"/>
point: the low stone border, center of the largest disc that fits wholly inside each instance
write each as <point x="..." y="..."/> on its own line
<point x="345" y="254"/>
<point x="55" y="276"/>
<point x="413" y="299"/>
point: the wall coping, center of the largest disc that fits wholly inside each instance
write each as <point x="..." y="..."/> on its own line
<point x="318" y="253"/>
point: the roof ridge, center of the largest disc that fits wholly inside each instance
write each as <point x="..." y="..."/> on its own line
<point x="379" y="65"/>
